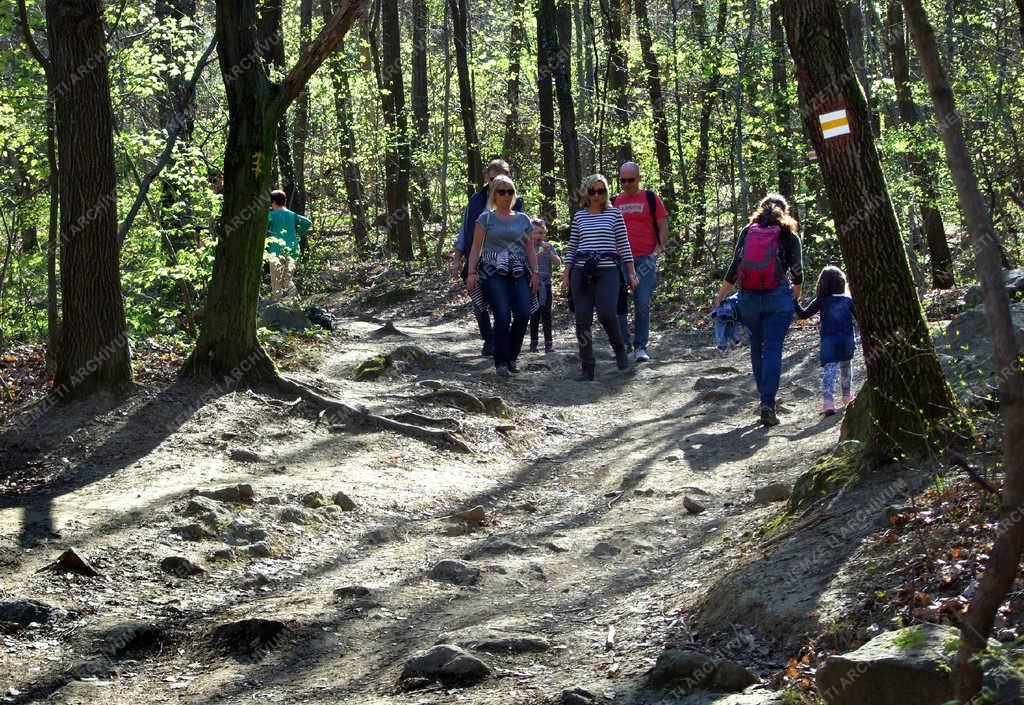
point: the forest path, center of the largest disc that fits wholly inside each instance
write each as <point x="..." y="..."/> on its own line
<point x="585" y="529"/>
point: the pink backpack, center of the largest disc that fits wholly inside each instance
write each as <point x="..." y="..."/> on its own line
<point x="759" y="262"/>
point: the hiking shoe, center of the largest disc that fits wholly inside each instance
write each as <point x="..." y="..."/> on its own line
<point x="828" y="408"/>
<point x="533" y="347"/>
<point x="768" y="417"/>
<point x="501" y="370"/>
<point x="621" y="359"/>
<point x="642" y="356"/>
<point x="586" y="373"/>
<point x="549" y="347"/>
<point x="848" y="399"/>
<point x="513" y="367"/>
<point x="488" y="349"/>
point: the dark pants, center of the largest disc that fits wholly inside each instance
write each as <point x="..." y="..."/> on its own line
<point x="543" y="315"/>
<point x="767" y="315"/>
<point x="601" y="294"/>
<point x="510" y="299"/>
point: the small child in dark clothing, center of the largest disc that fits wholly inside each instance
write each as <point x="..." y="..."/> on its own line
<point x="547" y="258"/>
<point x="838" y="342"/>
<point x="727" y="323"/>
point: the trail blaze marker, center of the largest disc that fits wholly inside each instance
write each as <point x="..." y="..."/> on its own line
<point x="834" y="124"/>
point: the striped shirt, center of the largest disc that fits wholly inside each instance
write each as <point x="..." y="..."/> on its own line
<point x="598" y="233"/>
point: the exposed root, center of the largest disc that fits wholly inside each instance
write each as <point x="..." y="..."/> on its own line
<point x="360" y="414"/>
<point x="421" y="419"/>
<point x="455" y="397"/>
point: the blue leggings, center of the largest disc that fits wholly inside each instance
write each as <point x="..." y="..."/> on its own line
<point x="831" y="370"/>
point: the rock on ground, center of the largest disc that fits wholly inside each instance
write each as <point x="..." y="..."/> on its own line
<point x="455" y="572"/>
<point x="180" y="566"/>
<point x="507" y="644"/>
<point x="24" y="612"/>
<point x="775" y="492"/>
<point x="448" y="664"/>
<point x="682" y="670"/>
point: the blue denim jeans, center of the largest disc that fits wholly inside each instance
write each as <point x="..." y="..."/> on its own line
<point x="647" y="273"/>
<point x="767" y="315"/>
<point x="510" y="300"/>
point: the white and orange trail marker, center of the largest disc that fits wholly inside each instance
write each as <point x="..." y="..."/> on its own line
<point x="834" y="124"/>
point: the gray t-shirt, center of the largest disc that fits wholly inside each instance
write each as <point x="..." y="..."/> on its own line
<point x="504" y="234"/>
<point x="544" y="263"/>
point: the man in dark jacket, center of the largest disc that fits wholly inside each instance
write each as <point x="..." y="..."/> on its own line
<point x="464" y="242"/>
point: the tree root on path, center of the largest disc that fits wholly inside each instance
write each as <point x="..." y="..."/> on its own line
<point x="360" y="414"/>
<point x="414" y="418"/>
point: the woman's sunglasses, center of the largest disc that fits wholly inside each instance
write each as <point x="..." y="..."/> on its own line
<point x="504" y="191"/>
<point x="596" y="192"/>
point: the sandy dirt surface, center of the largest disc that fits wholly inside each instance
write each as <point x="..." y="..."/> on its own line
<point x="585" y="544"/>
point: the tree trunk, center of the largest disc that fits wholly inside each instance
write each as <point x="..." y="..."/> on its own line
<point x="614" y="12"/>
<point x="566" y="109"/>
<point x="1001" y="567"/>
<point x="301" y="131"/>
<point x="547" y="43"/>
<point x="227" y="344"/>
<point x="588" y="87"/>
<point x="781" y="107"/>
<point x="653" y="70"/>
<point x="1020" y="13"/>
<point x="397" y="158"/>
<point x="907" y="400"/>
<point x="512" y="146"/>
<point x="854" y="25"/>
<point x="420" y="138"/>
<point x="708" y="95"/>
<point x="272" y="48"/>
<point x="94" y="347"/>
<point x="474" y="161"/>
<point x="920" y="164"/>
<point x="353" y="178"/>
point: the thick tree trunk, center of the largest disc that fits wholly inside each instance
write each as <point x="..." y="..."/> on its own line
<point x="708" y="96"/>
<point x="397" y="159"/>
<point x="781" y="106"/>
<point x="566" y="109"/>
<point x="906" y="397"/>
<point x="1001" y="567"/>
<point x="512" y="144"/>
<point x="614" y="12"/>
<point x="94" y="347"/>
<point x="920" y="164"/>
<point x="653" y="70"/>
<point x="547" y="42"/>
<point x="301" y="126"/>
<point x="420" y="138"/>
<point x="474" y="161"/>
<point x="227" y="344"/>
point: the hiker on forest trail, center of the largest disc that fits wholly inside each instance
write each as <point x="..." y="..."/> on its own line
<point x="766" y="251"/>
<point x="547" y="260"/>
<point x="598" y="243"/>
<point x="647" y="226"/>
<point x="503" y="265"/>
<point x="285" y="230"/>
<point x="838" y="342"/>
<point x="460" y="254"/>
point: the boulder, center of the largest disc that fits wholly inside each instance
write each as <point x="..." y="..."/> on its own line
<point x="313" y="500"/>
<point x="730" y="677"/>
<point x="73" y="562"/>
<point x="605" y="549"/>
<point x="193" y="532"/>
<point x="372" y="368"/>
<point x="344" y="501"/>
<point x="282" y="317"/>
<point x="293" y="515"/>
<point x="682" y="670"/>
<point x="455" y="572"/>
<point x="243" y="531"/>
<point x="413" y="356"/>
<point x="775" y="492"/>
<point x="209" y="511"/>
<point x="577" y="696"/>
<point x="180" y="566"/>
<point x="1013" y="281"/>
<point x="448" y="664"/>
<point x="965" y="350"/>
<point x="912" y="665"/>
<point x="24" y="612"/>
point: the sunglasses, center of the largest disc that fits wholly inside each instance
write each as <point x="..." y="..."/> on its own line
<point x="596" y="192"/>
<point x="627" y="181"/>
<point x="504" y="191"/>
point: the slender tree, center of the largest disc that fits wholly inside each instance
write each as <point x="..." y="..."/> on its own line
<point x="616" y="26"/>
<point x="94" y="348"/>
<point x="781" y="107"/>
<point x="512" y="144"/>
<point x="547" y="43"/>
<point x="474" y="161"/>
<point x="906" y="397"/>
<point x="652" y="68"/>
<point x="227" y="342"/>
<point x="271" y="45"/>
<point x="566" y="109"/>
<point x="420" y="137"/>
<point x="397" y="160"/>
<point x="301" y="125"/>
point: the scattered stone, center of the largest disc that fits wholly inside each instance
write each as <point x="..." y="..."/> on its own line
<point x="193" y="532"/>
<point x="682" y="670"/>
<point x="577" y="696"/>
<point x="330" y="509"/>
<point x="223" y="554"/>
<point x="24" y="612"/>
<point x="362" y="605"/>
<point x="382" y="534"/>
<point x="180" y="566"/>
<point x="257" y="581"/>
<point x="730" y="677"/>
<point x="496" y="406"/>
<point x="260" y="549"/>
<point x="474" y="516"/>
<point x="272" y="499"/>
<point x="517" y="644"/>
<point x="455" y="572"/>
<point x="704" y="383"/>
<point x="281" y="317"/>
<point x="414" y="356"/>
<point x="352" y="591"/>
<point x="554" y="547"/>
<point x="251" y="638"/>
<point x="133" y="639"/>
<point x="693" y="506"/>
<point x="313" y="500"/>
<point x="72" y="562"/>
<point x="293" y="515"/>
<point x="671" y="458"/>
<point x="775" y="492"/>
<point x="242" y="531"/>
<point x="498" y="545"/>
<point x="372" y="368"/>
<point x="235" y="494"/>
<point x="604" y="549"/>
<point x="344" y="501"/>
<point x="209" y="511"/>
<point x="448" y="664"/>
<point x="244" y="455"/>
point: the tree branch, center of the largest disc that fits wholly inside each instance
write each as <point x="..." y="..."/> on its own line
<point x="319" y="49"/>
<point x="33" y="48"/>
<point x="172" y="138"/>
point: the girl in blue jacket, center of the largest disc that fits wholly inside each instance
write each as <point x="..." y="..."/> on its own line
<point x="832" y="300"/>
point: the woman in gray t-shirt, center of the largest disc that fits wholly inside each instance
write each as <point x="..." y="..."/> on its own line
<point x="503" y="266"/>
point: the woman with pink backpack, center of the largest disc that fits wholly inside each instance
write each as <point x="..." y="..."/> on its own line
<point x="768" y="270"/>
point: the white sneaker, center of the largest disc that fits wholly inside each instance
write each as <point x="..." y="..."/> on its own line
<point x="641" y="355"/>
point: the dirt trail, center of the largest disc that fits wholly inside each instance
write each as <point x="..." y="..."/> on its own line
<point x="585" y="530"/>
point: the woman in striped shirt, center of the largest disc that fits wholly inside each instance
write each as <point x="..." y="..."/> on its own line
<point x="597" y="243"/>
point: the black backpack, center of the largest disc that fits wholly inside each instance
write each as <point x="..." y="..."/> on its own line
<point x="652" y="208"/>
